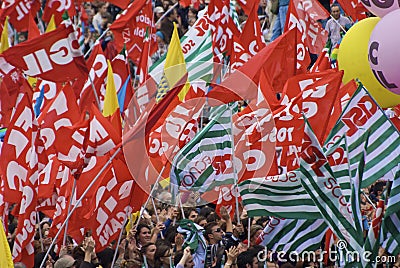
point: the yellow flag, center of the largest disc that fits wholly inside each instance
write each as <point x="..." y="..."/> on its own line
<point x="52" y="24"/>
<point x="175" y="66"/>
<point x="165" y="182"/>
<point x="132" y="221"/>
<point x="5" y="253"/>
<point x="111" y="99"/>
<point x="4" y="37"/>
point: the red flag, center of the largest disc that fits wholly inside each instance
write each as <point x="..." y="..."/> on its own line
<point x="97" y="63"/>
<point x="18" y="12"/>
<point x="11" y="85"/>
<point x="50" y="90"/>
<point x="23" y="249"/>
<point x="136" y="138"/>
<point x="186" y="3"/>
<point x="353" y="8"/>
<point x="242" y="85"/>
<point x="323" y="62"/>
<point x="63" y="185"/>
<point x="319" y="92"/>
<point x="33" y="30"/>
<point x="16" y="148"/>
<point x="54" y="56"/>
<point x="130" y="28"/>
<point x="222" y="28"/>
<point x="57" y="118"/>
<point x="343" y="97"/>
<point x="250" y="43"/>
<point x="227" y="198"/>
<point x="248" y="6"/>
<point x="113" y="204"/>
<point x="304" y="17"/>
<point x="102" y="138"/>
<point x="58" y="8"/>
<point x="175" y="127"/>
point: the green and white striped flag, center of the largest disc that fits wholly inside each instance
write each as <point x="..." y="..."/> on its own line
<point x="391" y="246"/>
<point x="336" y="152"/>
<point x="372" y="240"/>
<point x="363" y="115"/>
<point x="193" y="238"/>
<point x="280" y="196"/>
<point x="391" y="221"/>
<point x="206" y="161"/>
<point x="318" y="180"/>
<point x="197" y="50"/>
<point x="290" y="235"/>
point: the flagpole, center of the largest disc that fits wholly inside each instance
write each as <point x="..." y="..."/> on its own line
<point x="155" y="212"/>
<point x="101" y="36"/>
<point x="181" y="205"/>
<point x="119" y="239"/>
<point x="234" y="170"/>
<point x="94" y="92"/>
<point x="166" y="13"/>
<point x="80" y="200"/>
<point x="69" y="208"/>
<point x="338" y="23"/>
<point x="248" y="231"/>
<point x="40" y="230"/>
<point x="150" y="194"/>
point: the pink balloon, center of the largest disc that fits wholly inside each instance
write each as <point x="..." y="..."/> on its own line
<point x="384" y="51"/>
<point x="381" y="7"/>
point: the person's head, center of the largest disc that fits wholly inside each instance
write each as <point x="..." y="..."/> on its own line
<point x="163" y="255"/>
<point x="105" y="257"/>
<point x="191" y="213"/>
<point x="192" y="13"/>
<point x="200" y="220"/>
<point x="255" y="231"/>
<point x="335" y="11"/>
<point x="213" y="232"/>
<point x="247" y="259"/>
<point x="22" y="36"/>
<point x="143" y="234"/>
<point x="102" y="8"/>
<point x="158" y="12"/>
<point x="205" y="211"/>
<point x="189" y="262"/>
<point x="166" y="4"/>
<point x="148" y="250"/>
<point x="173" y="15"/>
<point x="19" y="265"/>
<point x="213" y="217"/>
<point x="66" y="261"/>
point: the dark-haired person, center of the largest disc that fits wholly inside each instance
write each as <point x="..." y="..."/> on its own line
<point x="184" y="259"/>
<point x="163" y="257"/>
<point x="148" y="252"/>
<point x="143" y="235"/>
<point x="247" y="259"/>
<point x="337" y="25"/>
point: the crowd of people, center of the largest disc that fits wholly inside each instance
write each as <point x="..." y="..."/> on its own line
<point x="154" y="240"/>
<point x="157" y="239"/>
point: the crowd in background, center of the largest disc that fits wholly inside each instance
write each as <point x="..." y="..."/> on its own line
<point x="156" y="241"/>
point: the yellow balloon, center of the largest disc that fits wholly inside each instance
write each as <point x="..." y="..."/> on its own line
<point x="353" y="59"/>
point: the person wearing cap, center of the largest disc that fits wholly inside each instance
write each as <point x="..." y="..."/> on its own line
<point x="158" y="12"/>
